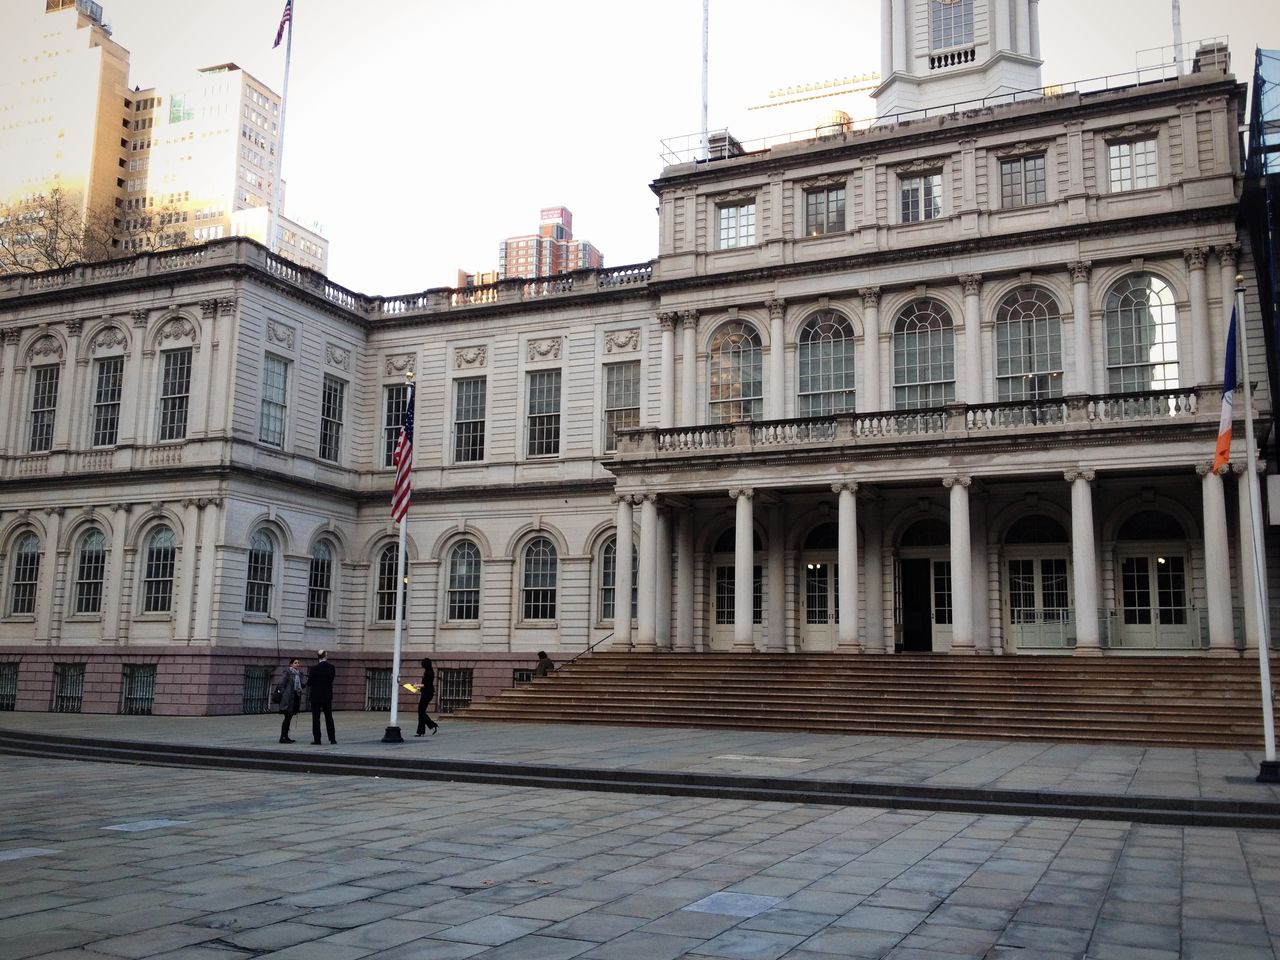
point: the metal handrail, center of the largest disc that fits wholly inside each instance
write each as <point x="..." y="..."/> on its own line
<point x="590" y="647"/>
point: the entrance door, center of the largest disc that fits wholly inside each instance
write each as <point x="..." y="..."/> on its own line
<point x="1153" y="602"/>
<point x="819" y="603"/>
<point x="1039" y="608"/>
<point x="924" y="604"/>
<point x="723" y="589"/>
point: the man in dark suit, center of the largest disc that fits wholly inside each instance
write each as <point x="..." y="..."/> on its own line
<point x="320" y="682"/>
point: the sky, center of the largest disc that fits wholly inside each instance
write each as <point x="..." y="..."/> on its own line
<point x="422" y="132"/>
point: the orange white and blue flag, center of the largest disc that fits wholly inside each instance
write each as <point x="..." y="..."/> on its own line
<point x="1223" y="452"/>
<point x="284" y="20"/>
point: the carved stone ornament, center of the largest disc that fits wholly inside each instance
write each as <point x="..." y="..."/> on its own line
<point x="45" y="346"/>
<point x="337" y="356"/>
<point x="139" y="317"/>
<point x="179" y="328"/>
<point x="1021" y="149"/>
<point x="689" y="319"/>
<point x="668" y="320"/>
<point x="972" y="283"/>
<point x="1080" y="270"/>
<point x="281" y="333"/>
<point x="108" y="338"/>
<point x="823" y="182"/>
<point x="1228" y="254"/>
<point x="476" y="356"/>
<point x="1196" y="257"/>
<point x="12" y="336"/>
<point x="74" y="327"/>
<point x="548" y="349"/>
<point x="734" y="196"/>
<point x="870" y="296"/>
<point x="227" y="306"/>
<point x="400" y="363"/>
<point x="1131" y="131"/>
<point x="920" y="166"/>
<point x="208" y="308"/>
<point x="777" y="309"/>
<point x="622" y="341"/>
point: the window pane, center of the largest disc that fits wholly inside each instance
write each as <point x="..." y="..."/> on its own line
<point x="175" y="390"/>
<point x="332" y="405"/>
<point x="826" y="366"/>
<point x="44" y="405"/>
<point x="394" y="402"/>
<point x="737" y="225"/>
<point x="320" y="583"/>
<point x="539" y="581"/>
<point x="464" y="582"/>
<point x="1142" y="335"/>
<point x="923" y="356"/>
<point x="385" y="601"/>
<point x="89" y="572"/>
<point x="26" y="574"/>
<point x="950" y="23"/>
<point x="736" y="379"/>
<point x="543" y="421"/>
<point x="106" y="401"/>
<point x="158" y="581"/>
<point x="469" y="420"/>
<point x="257" y="595"/>
<point x="275" y="382"/>
<point x="1028" y="346"/>
<point x="621" y="400"/>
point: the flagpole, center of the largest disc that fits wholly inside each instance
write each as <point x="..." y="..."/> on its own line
<point x="392" y="734"/>
<point x="273" y="220"/>
<point x="706" y="18"/>
<point x="1269" y="771"/>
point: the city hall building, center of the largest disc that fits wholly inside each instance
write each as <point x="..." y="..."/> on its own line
<point x="947" y="382"/>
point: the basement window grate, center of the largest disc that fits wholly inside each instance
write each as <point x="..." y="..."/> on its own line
<point x="257" y="690"/>
<point x="139" y="689"/>
<point x="8" y="686"/>
<point x="68" y="687"/>
<point x="377" y="689"/>
<point x="455" y="689"/>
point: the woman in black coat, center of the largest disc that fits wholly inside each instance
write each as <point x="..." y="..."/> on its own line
<point x="425" y="693"/>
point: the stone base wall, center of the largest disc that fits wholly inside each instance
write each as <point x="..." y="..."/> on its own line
<point x="191" y="682"/>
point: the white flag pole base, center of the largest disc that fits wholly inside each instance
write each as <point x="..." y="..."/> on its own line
<point x="392" y="735"/>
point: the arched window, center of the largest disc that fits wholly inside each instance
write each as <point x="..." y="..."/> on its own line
<point x="950" y="23"/>
<point x="1036" y="528"/>
<point x="538" y="595"/>
<point x="609" y="579"/>
<point x="157" y="584"/>
<point x="257" y="587"/>
<point x="929" y="532"/>
<point x="464" y="581"/>
<point x="26" y="573"/>
<point x="90" y="567"/>
<point x="1028" y="346"/>
<point x="826" y="366"/>
<point x="320" y="581"/>
<point x="735" y="381"/>
<point x="1142" y="335"/>
<point x="1151" y="525"/>
<point x="924" y="356"/>
<point x="385" y="604"/>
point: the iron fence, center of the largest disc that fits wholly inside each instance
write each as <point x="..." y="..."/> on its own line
<point x="8" y="686"/>
<point x="257" y="690"/>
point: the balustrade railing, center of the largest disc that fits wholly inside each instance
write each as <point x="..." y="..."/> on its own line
<point x="712" y="437"/>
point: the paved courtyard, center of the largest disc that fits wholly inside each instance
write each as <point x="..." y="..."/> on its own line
<point x="122" y="861"/>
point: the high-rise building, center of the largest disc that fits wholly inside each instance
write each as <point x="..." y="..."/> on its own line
<point x="550" y="251"/>
<point x="65" y="108"/>
<point x="162" y="168"/>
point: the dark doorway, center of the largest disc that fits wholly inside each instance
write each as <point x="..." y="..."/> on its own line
<point x="917" y="606"/>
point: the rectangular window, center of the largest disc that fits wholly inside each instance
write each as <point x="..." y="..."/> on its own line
<point x="106" y="401"/>
<point x="621" y="400"/>
<point x="44" y="405"/>
<point x="394" y="402"/>
<point x="175" y="394"/>
<point x="1022" y="181"/>
<point x="950" y="23"/>
<point x="542" y="425"/>
<point x="823" y="211"/>
<point x="468" y="420"/>
<point x="737" y="225"/>
<point x="275" y="385"/>
<point x="921" y="197"/>
<point x="332" y="403"/>
<point x="1131" y="165"/>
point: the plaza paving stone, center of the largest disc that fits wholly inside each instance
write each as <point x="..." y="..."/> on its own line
<point x="297" y="867"/>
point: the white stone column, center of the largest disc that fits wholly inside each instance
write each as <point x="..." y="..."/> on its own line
<point x="133" y="388"/>
<point x="1247" y="567"/>
<point x="9" y="426"/>
<point x="1023" y="27"/>
<point x="1217" y="563"/>
<point x="70" y="419"/>
<point x="972" y="284"/>
<point x="1228" y="254"/>
<point x="1004" y="28"/>
<point x="689" y="368"/>
<point x="667" y="372"/>
<point x="961" y="567"/>
<point x="184" y="594"/>
<point x="847" y="558"/>
<point x="744" y="565"/>
<point x="625" y="539"/>
<point x="208" y="566"/>
<point x="1084" y="561"/>
<point x="663" y="549"/>
<point x="775" y="640"/>
<point x="873" y="579"/>
<point x="647" y="599"/>
<point x="886" y="37"/>
<point x="1034" y="17"/>
<point x="1082" y="327"/>
<point x="777" y="361"/>
<point x="113" y="586"/>
<point x="978" y="537"/>
<point x="900" y="52"/>
<point x="47" y="611"/>
<point x="684" y="581"/>
<point x="1201" y="338"/>
<point x="869" y="388"/>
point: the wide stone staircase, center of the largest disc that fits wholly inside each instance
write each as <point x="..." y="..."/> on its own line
<point x="1166" y="701"/>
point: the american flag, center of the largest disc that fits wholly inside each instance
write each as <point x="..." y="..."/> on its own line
<point x="403" y="460"/>
<point x="284" y="19"/>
